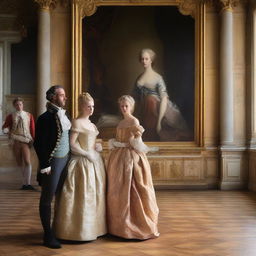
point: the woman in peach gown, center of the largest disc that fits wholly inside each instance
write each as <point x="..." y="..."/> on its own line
<point x="80" y="212"/>
<point x="132" y="211"/>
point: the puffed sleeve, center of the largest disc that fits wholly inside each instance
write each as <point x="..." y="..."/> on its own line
<point x="137" y="130"/>
<point x="136" y="140"/>
<point x="162" y="88"/>
<point x="75" y="127"/>
<point x="137" y="143"/>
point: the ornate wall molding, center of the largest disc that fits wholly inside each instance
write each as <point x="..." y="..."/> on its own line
<point x="187" y="7"/>
<point x="221" y="5"/>
<point x="87" y="7"/>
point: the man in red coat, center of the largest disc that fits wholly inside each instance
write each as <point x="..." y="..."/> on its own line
<point x="20" y="126"/>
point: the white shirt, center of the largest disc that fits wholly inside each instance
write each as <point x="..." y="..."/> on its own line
<point x="65" y="123"/>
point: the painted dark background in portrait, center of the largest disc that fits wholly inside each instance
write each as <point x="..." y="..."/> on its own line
<point x="112" y="40"/>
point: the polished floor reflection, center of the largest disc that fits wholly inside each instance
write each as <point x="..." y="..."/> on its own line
<point x="215" y="223"/>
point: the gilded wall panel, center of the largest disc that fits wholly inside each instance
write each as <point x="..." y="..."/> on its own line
<point x="175" y="169"/>
<point x="158" y="170"/>
<point x="193" y="169"/>
<point x="212" y="167"/>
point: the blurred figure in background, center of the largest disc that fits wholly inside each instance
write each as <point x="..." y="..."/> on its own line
<point x="20" y="127"/>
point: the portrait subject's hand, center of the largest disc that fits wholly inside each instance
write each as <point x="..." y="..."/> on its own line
<point x="158" y="127"/>
<point x="6" y="130"/>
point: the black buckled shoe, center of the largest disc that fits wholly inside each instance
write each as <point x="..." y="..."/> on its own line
<point x="51" y="242"/>
<point x="30" y="187"/>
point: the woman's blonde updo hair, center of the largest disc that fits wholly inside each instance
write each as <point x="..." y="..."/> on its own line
<point x="151" y="53"/>
<point x="83" y="98"/>
<point x="128" y="98"/>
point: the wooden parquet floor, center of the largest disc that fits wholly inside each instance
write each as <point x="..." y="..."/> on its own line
<point x="208" y="223"/>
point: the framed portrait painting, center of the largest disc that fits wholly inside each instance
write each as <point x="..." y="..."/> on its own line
<point x="147" y="51"/>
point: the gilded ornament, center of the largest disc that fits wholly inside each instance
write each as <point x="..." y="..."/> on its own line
<point x="86" y="7"/>
<point x="187" y="7"/>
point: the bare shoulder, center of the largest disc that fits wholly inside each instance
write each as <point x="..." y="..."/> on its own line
<point x="157" y="75"/>
<point x="76" y="122"/>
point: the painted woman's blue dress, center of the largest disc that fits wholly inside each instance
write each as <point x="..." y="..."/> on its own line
<point x="174" y="127"/>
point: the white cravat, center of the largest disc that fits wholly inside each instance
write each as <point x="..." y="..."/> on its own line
<point x="20" y="114"/>
<point x="65" y="123"/>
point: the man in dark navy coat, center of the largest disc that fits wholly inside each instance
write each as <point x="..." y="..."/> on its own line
<point x="52" y="147"/>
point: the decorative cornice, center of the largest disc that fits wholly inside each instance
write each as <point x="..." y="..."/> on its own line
<point x="187" y="7"/>
<point x="46" y="4"/>
<point x="89" y="7"/>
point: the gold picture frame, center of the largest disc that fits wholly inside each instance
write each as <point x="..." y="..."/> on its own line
<point x="195" y="8"/>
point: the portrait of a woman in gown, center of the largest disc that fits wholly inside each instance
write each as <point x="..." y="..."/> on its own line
<point x="160" y="117"/>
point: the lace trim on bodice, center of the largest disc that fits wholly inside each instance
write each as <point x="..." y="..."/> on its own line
<point x="84" y="130"/>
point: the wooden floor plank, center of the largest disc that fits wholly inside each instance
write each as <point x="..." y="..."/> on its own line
<point x="208" y="223"/>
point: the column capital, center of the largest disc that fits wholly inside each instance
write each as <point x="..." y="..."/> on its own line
<point x="46" y="4"/>
<point x="228" y="5"/>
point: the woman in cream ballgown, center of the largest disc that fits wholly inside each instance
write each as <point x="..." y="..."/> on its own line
<point x="80" y="212"/>
<point x="160" y="117"/>
<point x="132" y="211"/>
